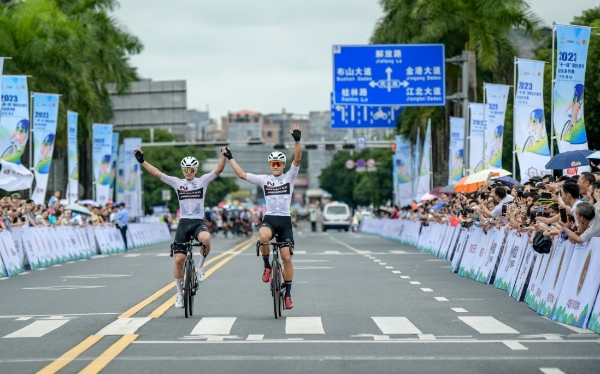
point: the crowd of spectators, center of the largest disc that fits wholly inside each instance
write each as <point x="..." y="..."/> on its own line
<point x="542" y="207"/>
<point x="17" y="212"/>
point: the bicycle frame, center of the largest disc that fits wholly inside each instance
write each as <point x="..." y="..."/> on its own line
<point x="189" y="273"/>
<point x="277" y="291"/>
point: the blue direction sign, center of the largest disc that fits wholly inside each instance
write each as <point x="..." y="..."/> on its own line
<point x="363" y="117"/>
<point x="361" y="143"/>
<point x="389" y="75"/>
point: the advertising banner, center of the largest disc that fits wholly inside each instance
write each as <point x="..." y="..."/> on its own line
<point x="45" y="118"/>
<point x="73" y="161"/>
<point x="416" y="159"/>
<point x="113" y="164"/>
<point x="120" y="184"/>
<point x="551" y="277"/>
<point x="572" y="48"/>
<point x="133" y="192"/>
<point x="403" y="170"/>
<point x="594" y="323"/>
<point x="476" y="140"/>
<point x="425" y="169"/>
<point x="578" y="293"/>
<point x="530" y="137"/>
<point x="457" y="143"/>
<point x="101" y="155"/>
<point x="495" y="109"/>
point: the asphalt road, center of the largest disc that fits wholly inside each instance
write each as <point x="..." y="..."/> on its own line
<point x="362" y="304"/>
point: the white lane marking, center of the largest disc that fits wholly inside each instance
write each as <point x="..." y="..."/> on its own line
<point x="70" y="262"/>
<point x="460" y="310"/>
<point x="427" y="337"/>
<point x="440" y="298"/>
<point x="60" y="288"/>
<point x="133" y="255"/>
<point x="415" y="282"/>
<point x="62" y="315"/>
<point x="515" y="345"/>
<point x="363" y="252"/>
<point x="83" y="259"/>
<point x="55" y="317"/>
<point x="397" y="272"/>
<point x="396" y="325"/>
<point x="313" y="267"/>
<point x="124" y="326"/>
<point x="40" y="269"/>
<point x="333" y="252"/>
<point x="572" y="328"/>
<point x="389" y="267"/>
<point x="255" y="338"/>
<point x="214" y="326"/>
<point x="488" y="325"/>
<point x="398" y="252"/>
<point x="37" y="329"/>
<point x="426" y="290"/>
<point x="382" y="263"/>
<point x="23" y="273"/>
<point x="404" y="277"/>
<point x="57" y="265"/>
<point x="163" y="254"/>
<point x="304" y="325"/>
<point x="377" y="260"/>
<point x="23" y="318"/>
<point x="95" y="276"/>
<point x="551" y="371"/>
<point x="299" y="252"/>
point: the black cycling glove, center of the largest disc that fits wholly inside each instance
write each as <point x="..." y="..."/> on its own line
<point x="139" y="156"/>
<point x="228" y="154"/>
<point x="296" y="135"/>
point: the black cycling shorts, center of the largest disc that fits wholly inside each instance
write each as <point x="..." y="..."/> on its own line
<point x="281" y="228"/>
<point x="187" y="228"/>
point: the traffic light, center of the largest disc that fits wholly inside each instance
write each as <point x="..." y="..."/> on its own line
<point x="310" y="146"/>
<point x="348" y="146"/>
<point x="279" y="146"/>
<point x="330" y="147"/>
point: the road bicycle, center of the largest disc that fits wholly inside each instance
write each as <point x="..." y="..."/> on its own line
<point x="190" y="282"/>
<point x="277" y="286"/>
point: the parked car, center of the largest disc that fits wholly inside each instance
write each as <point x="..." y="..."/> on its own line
<point x="336" y="216"/>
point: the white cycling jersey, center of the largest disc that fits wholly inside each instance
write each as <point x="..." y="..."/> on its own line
<point x="278" y="190"/>
<point x="190" y="193"/>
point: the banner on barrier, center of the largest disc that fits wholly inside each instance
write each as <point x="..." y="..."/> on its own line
<point x="495" y="111"/>
<point x="120" y="183"/>
<point x="133" y="191"/>
<point x="113" y="164"/>
<point x="476" y="141"/>
<point x="45" y="118"/>
<point x="73" y="161"/>
<point x="457" y="144"/>
<point x="572" y="50"/>
<point x="101" y="155"/>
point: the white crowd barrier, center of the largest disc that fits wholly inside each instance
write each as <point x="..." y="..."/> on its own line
<point x="563" y="285"/>
<point x="38" y="247"/>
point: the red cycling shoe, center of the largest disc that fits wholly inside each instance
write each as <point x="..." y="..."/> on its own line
<point x="266" y="277"/>
<point x="288" y="302"/>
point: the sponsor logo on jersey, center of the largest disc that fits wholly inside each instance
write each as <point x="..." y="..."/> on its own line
<point x="184" y="194"/>
<point x="279" y="190"/>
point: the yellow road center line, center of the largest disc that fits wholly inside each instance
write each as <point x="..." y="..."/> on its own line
<point x="156" y="313"/>
<point x="70" y="355"/>
<point x="144" y="303"/>
<point x="107" y="356"/>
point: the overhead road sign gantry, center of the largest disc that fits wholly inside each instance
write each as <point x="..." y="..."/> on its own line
<point x="350" y="116"/>
<point x="389" y="75"/>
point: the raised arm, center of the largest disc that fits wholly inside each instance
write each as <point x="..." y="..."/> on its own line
<point x="234" y="165"/>
<point x="221" y="165"/>
<point x="139" y="156"/>
<point x="296" y="133"/>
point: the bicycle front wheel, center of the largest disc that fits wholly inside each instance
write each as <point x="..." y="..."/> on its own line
<point x="186" y="288"/>
<point x="191" y="285"/>
<point x="276" y="287"/>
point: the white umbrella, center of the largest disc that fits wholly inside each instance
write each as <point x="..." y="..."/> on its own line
<point x="76" y="208"/>
<point x="483" y="175"/>
<point x="89" y="202"/>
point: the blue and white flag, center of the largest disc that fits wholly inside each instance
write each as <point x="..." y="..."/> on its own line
<point x="113" y="164"/>
<point x="416" y="159"/>
<point x="495" y="110"/>
<point x="572" y="48"/>
<point x="403" y="170"/>
<point x="45" y="118"/>
<point x="531" y="139"/>
<point x="133" y="190"/>
<point x="120" y="183"/>
<point x="73" y="161"/>
<point x="457" y="145"/>
<point x="101" y="160"/>
<point x="425" y="167"/>
<point x="476" y="141"/>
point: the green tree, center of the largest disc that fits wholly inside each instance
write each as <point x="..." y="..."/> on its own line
<point x="73" y="48"/>
<point x="356" y="188"/>
<point x="168" y="160"/>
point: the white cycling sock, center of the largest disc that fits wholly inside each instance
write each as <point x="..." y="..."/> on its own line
<point x="202" y="259"/>
<point x="179" y="285"/>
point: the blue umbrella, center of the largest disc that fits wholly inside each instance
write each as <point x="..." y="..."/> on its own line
<point x="569" y="159"/>
<point x="507" y="181"/>
<point x="438" y="206"/>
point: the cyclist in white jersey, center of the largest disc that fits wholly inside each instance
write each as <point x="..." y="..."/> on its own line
<point x="278" y="189"/>
<point x="190" y="193"/>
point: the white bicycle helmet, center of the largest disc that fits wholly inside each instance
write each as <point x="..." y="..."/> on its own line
<point x="276" y="156"/>
<point x="189" y="162"/>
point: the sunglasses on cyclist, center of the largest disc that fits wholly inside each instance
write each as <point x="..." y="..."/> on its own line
<point x="276" y="164"/>
<point x="188" y="170"/>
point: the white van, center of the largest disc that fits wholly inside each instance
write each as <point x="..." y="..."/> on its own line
<point x="336" y="216"/>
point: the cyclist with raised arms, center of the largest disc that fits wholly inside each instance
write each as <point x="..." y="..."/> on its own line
<point x="278" y="189"/>
<point x="190" y="193"/>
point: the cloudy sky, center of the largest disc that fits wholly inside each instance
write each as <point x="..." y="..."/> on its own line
<point x="263" y="55"/>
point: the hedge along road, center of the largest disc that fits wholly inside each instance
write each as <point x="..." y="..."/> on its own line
<point x="129" y="322"/>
